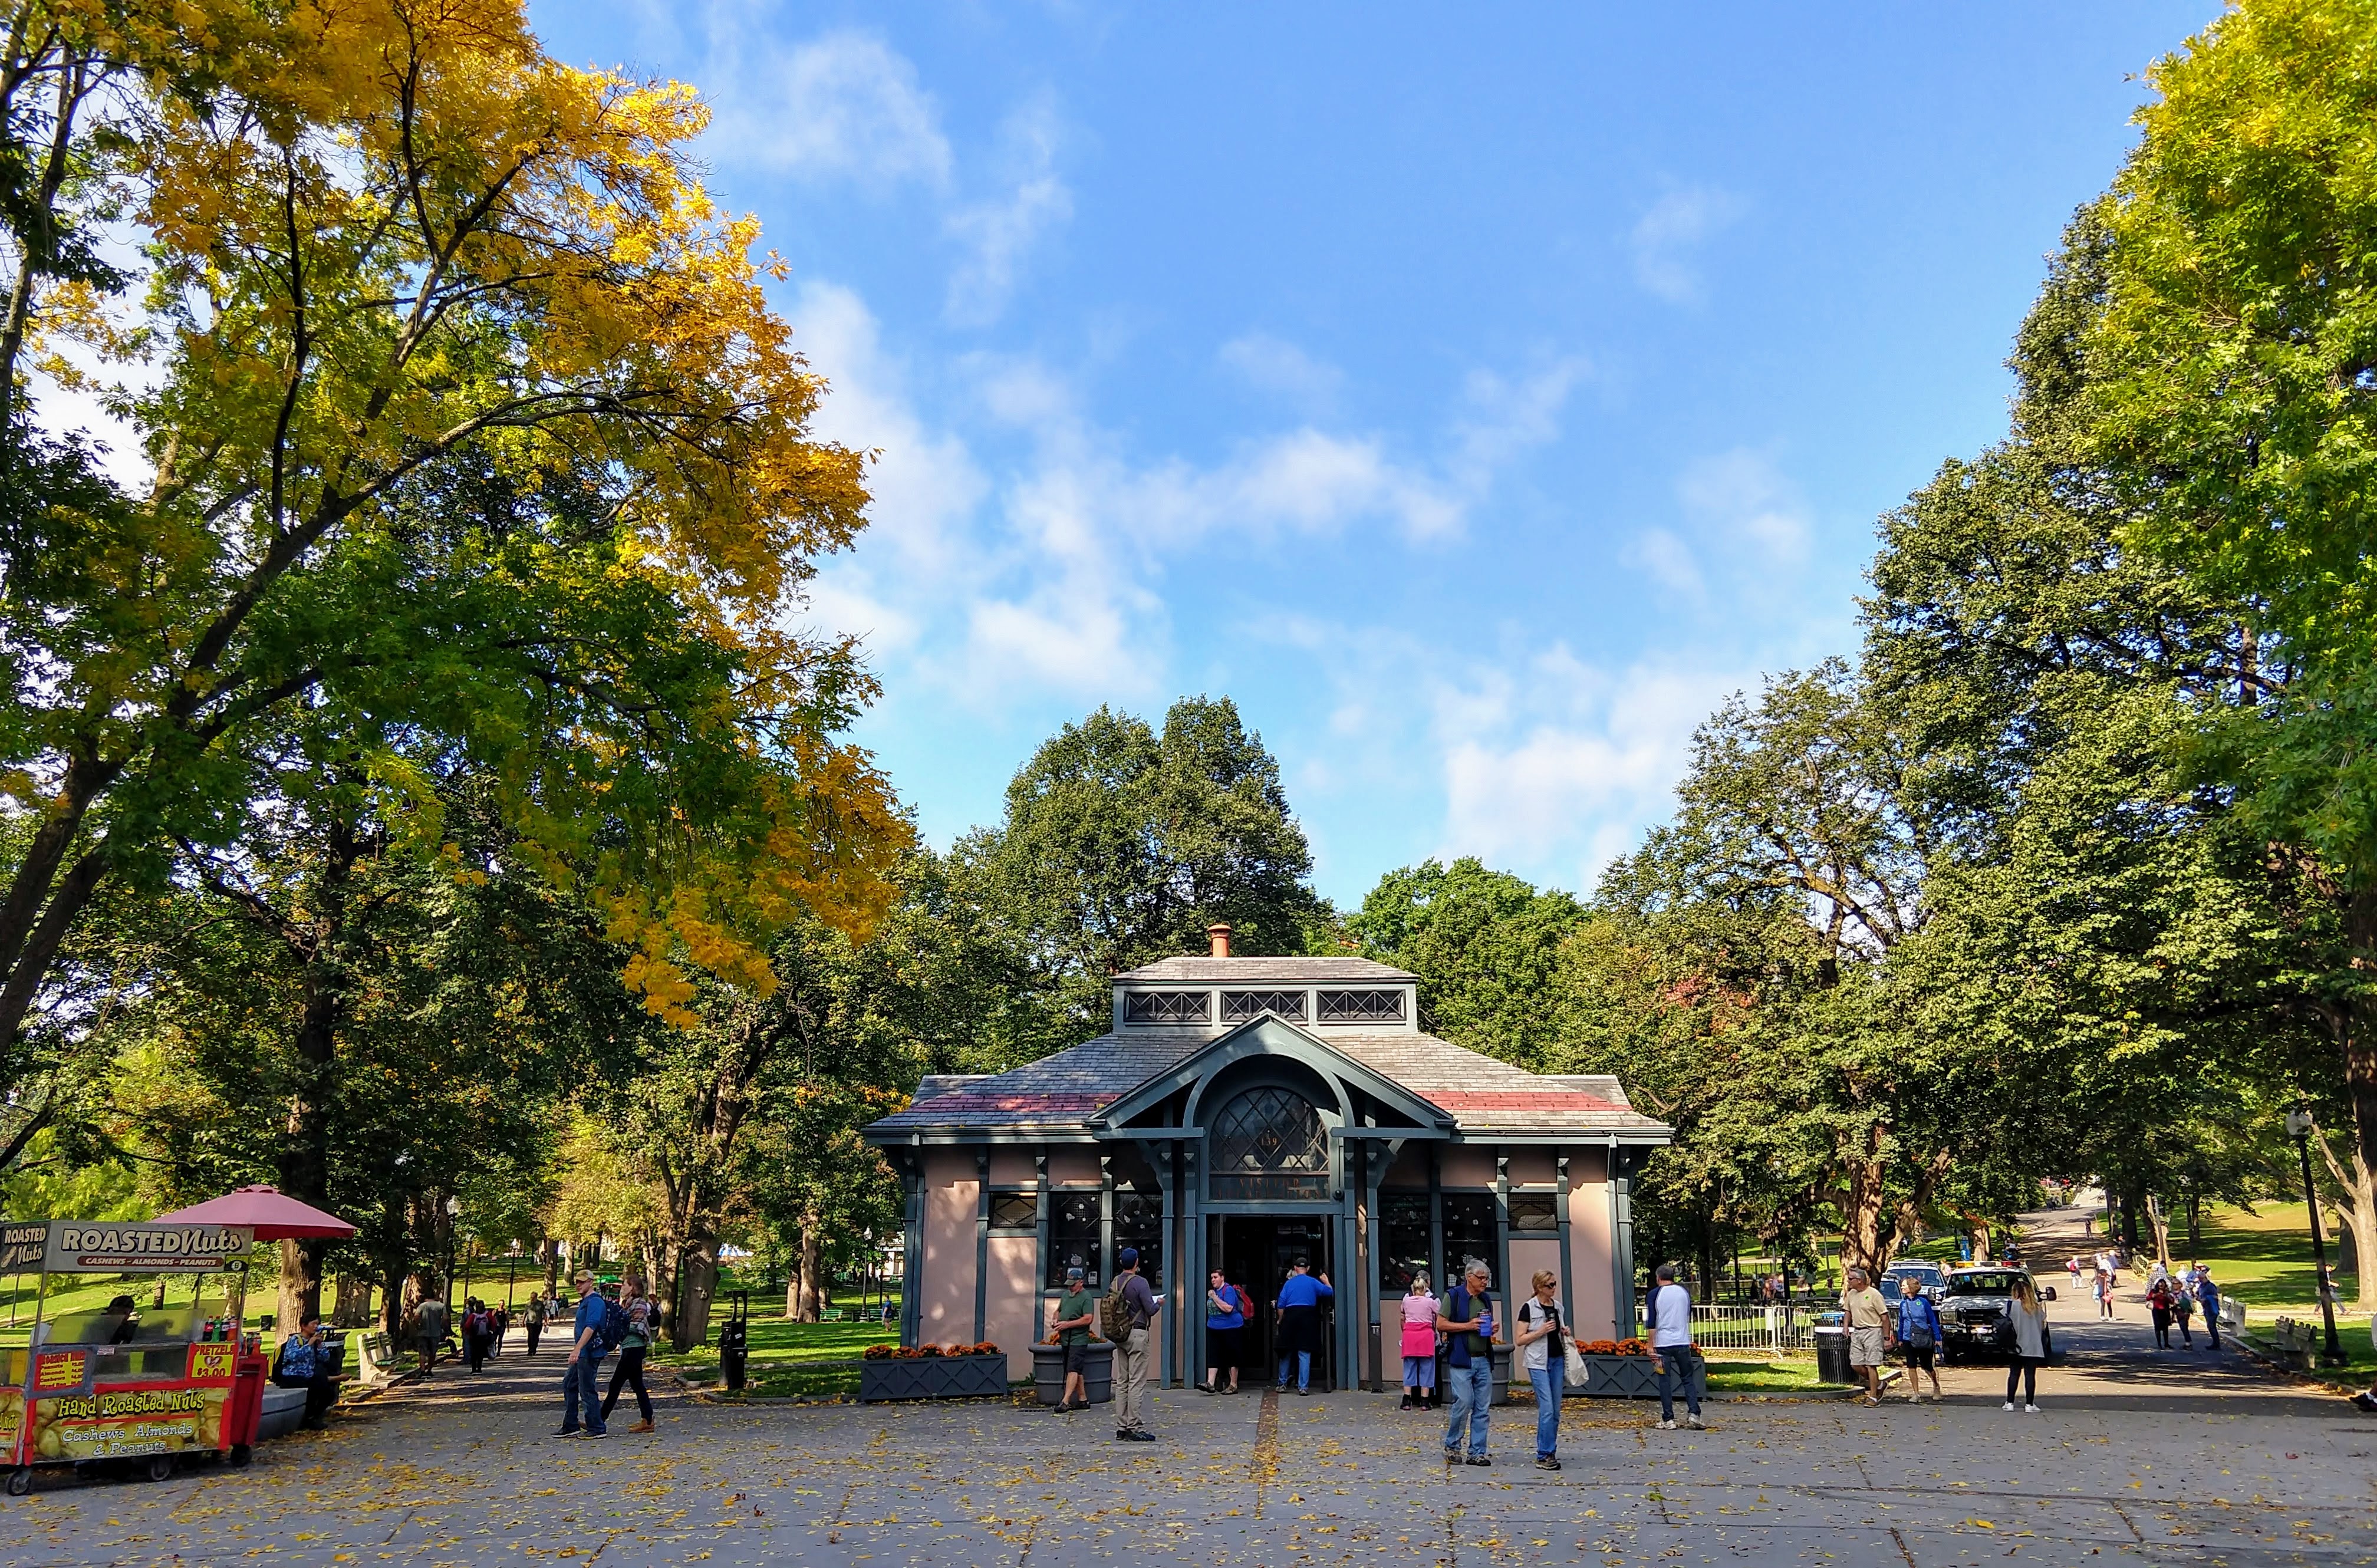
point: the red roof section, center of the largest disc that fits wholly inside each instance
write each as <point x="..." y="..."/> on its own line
<point x="1457" y="1101"/>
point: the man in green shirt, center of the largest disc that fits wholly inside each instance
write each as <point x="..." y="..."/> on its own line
<point x="1077" y="1316"/>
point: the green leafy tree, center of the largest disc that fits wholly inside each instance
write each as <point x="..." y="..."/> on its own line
<point x="1485" y="944"/>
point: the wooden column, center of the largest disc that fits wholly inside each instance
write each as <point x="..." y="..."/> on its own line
<point x="1567" y="1273"/>
<point x="982" y="1244"/>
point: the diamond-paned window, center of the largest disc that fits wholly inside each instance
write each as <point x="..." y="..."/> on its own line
<point x="1362" y="1007"/>
<point x="1014" y="1211"/>
<point x="1168" y="1007"/>
<point x="1239" y="1006"/>
<point x="1268" y="1143"/>
<point x="1534" y="1214"/>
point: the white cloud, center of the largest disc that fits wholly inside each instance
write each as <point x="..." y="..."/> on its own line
<point x="998" y="236"/>
<point x="1669" y="560"/>
<point x="1276" y="366"/>
<point x="1742" y="497"/>
<point x="842" y="106"/>
<point x="1665" y="237"/>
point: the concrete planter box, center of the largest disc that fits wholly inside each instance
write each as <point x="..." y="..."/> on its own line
<point x="1628" y="1377"/>
<point x="932" y="1377"/>
<point x="1048" y="1371"/>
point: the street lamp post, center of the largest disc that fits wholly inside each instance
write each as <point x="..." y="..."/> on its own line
<point x="2299" y="1125"/>
<point x="453" y="1210"/>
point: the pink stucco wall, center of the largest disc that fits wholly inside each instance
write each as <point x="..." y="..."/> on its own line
<point x="1010" y="1313"/>
<point x="1592" y="1300"/>
<point x="945" y="1296"/>
<point x="1526" y="1257"/>
<point x="1076" y="1167"/>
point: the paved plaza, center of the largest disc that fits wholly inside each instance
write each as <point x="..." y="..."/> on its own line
<point x="2135" y="1457"/>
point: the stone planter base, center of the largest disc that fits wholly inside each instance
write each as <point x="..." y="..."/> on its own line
<point x="932" y="1377"/>
<point x="1627" y="1377"/>
<point x="1049" y="1372"/>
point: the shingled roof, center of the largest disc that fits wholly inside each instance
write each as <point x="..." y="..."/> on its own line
<point x="1070" y="1087"/>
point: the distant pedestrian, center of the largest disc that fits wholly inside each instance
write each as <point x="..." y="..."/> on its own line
<point x="1296" y="1310"/>
<point x="1225" y="1321"/>
<point x="580" y="1385"/>
<point x="1140" y="1305"/>
<point x="633" y="1345"/>
<point x="501" y="1313"/>
<point x="476" y="1329"/>
<point x="1468" y="1317"/>
<point x="1869" y="1325"/>
<point x="2029" y="1322"/>
<point x="2073" y="1263"/>
<point x="1419" y="1341"/>
<point x="2159" y="1299"/>
<point x="429" y="1324"/>
<point x="1916" y="1329"/>
<point x="2207" y="1296"/>
<point x="2183" y="1307"/>
<point x="1074" y="1317"/>
<point x="1673" y="1356"/>
<point x="2104" y="1295"/>
<point x="1536" y="1335"/>
<point x="533" y="1321"/>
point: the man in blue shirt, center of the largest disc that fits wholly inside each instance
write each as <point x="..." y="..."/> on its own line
<point x="1297" y="1312"/>
<point x="581" y="1390"/>
<point x="2209" y="1294"/>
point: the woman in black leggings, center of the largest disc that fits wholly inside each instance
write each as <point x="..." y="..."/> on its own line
<point x="2029" y="1322"/>
<point x="632" y="1345"/>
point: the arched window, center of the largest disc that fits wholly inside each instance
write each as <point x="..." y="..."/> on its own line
<point x="1268" y="1143"/>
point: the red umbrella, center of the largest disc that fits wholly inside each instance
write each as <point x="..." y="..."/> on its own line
<point x="275" y="1216"/>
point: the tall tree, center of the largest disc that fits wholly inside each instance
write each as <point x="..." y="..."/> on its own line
<point x="1486" y="946"/>
<point x="2228" y="395"/>
<point x="394" y="252"/>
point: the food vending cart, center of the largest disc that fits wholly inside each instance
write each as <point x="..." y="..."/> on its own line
<point x="151" y="1387"/>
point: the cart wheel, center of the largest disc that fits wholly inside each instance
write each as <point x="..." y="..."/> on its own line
<point x="160" y="1466"/>
<point x="240" y="1455"/>
<point x="21" y="1480"/>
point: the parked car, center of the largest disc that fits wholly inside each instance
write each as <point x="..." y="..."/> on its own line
<point x="1974" y="1318"/>
<point x="1930" y="1278"/>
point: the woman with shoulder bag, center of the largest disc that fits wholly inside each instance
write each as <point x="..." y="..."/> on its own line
<point x="1544" y="1350"/>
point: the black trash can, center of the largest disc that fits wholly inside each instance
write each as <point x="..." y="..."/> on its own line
<point x="735" y="1345"/>
<point x="1833" y="1354"/>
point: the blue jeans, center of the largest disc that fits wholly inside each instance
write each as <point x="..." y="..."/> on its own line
<point x="1549" y="1380"/>
<point x="1473" y="1392"/>
<point x="581" y="1391"/>
<point x="1303" y="1359"/>
<point x="1678" y="1363"/>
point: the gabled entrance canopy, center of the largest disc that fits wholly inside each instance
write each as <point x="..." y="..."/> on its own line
<point x="1273" y="1038"/>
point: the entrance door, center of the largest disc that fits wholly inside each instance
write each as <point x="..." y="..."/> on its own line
<point x="1254" y="1252"/>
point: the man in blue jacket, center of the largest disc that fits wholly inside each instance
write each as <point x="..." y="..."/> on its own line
<point x="2209" y="1294"/>
<point x="1915" y="1327"/>
<point x="1298" y="1312"/>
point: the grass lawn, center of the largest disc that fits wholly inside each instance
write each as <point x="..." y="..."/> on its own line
<point x="1740" y="1371"/>
<point x="790" y="1360"/>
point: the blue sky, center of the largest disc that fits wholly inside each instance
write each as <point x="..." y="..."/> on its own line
<point x="1475" y="395"/>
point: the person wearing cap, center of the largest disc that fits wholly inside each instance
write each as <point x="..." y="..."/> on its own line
<point x="1076" y="1318"/>
<point x="1140" y="1305"/>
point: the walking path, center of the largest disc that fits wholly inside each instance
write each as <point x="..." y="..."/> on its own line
<point x="2164" y="1461"/>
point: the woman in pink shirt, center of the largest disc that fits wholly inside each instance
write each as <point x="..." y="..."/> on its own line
<point x="1419" y="1343"/>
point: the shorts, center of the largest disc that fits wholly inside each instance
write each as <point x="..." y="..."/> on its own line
<point x="1222" y="1346"/>
<point x="1077" y="1358"/>
<point x="1918" y="1357"/>
<point x="1865" y="1347"/>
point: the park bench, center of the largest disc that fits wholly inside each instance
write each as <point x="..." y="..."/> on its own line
<point x="833" y="1315"/>
<point x="380" y="1358"/>
<point x="2297" y="1344"/>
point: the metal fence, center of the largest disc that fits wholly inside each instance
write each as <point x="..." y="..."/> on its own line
<point x="1773" y="1329"/>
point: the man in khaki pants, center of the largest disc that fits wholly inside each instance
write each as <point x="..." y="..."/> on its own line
<point x="1140" y="1305"/>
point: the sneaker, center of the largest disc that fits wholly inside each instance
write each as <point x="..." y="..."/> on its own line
<point x="2009" y="1403"/>
<point x="2365" y="1401"/>
<point x="1666" y="1426"/>
<point x="1303" y="1393"/>
<point x="1545" y="1461"/>
<point x="1122" y="1434"/>
<point x="2030" y="1410"/>
<point x="1479" y="1460"/>
<point x="641" y="1427"/>
<point x="598" y="1431"/>
<point x="1695" y="1423"/>
<point x="567" y="1431"/>
<point x="1143" y="1437"/>
<point x="1453" y="1456"/>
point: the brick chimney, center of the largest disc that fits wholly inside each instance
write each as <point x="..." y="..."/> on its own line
<point x="1219" y="935"/>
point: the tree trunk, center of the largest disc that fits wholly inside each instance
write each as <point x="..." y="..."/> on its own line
<point x="1862" y="1242"/>
<point x="303" y="1165"/>
<point x="2194" y="1225"/>
<point x="812" y="1269"/>
<point x="2360" y="1088"/>
<point x="354" y="1307"/>
<point x="2159" y="1220"/>
<point x="2356" y="1212"/>
<point x="701" y="1264"/>
<point x="550" y="1251"/>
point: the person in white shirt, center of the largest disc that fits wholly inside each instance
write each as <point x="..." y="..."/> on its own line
<point x="1672" y="1354"/>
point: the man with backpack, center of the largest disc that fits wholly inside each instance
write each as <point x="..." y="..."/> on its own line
<point x="581" y="1380"/>
<point x="1127" y="1317"/>
<point x="1468" y="1318"/>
